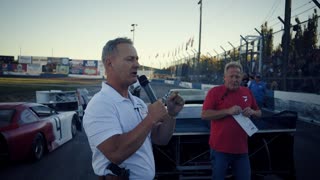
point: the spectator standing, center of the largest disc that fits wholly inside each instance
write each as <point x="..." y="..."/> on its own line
<point x="259" y="90"/>
<point x="228" y="141"/>
<point x="251" y="78"/>
<point x="245" y="80"/>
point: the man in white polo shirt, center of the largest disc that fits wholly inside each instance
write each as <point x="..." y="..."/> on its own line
<point x="120" y="127"/>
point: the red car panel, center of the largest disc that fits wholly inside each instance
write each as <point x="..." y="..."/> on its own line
<point x="18" y="137"/>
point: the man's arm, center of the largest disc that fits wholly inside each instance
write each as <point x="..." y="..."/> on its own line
<point x="119" y="147"/>
<point x="256" y="113"/>
<point x="211" y="114"/>
<point x="214" y="114"/>
<point x="162" y="132"/>
<point x="251" y="112"/>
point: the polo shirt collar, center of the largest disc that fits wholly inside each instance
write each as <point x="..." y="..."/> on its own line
<point x="113" y="94"/>
<point x="135" y="102"/>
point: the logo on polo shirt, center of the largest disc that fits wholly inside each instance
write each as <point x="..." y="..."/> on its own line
<point x="245" y="98"/>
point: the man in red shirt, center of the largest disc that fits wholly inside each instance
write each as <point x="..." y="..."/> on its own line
<point x="228" y="141"/>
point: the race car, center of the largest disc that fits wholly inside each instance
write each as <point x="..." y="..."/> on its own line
<point x="135" y="89"/>
<point x="29" y="130"/>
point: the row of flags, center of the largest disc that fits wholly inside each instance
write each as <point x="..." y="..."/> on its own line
<point x="189" y="44"/>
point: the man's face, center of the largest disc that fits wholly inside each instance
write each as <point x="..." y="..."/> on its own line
<point x="257" y="78"/>
<point x="232" y="78"/>
<point x="125" y="64"/>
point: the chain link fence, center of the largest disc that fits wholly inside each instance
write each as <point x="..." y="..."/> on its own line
<point x="264" y="55"/>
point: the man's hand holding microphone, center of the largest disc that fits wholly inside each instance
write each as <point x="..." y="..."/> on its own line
<point x="157" y="109"/>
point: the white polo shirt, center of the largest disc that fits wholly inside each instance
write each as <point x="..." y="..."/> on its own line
<point x="107" y="114"/>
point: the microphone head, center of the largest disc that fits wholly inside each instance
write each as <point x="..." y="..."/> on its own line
<point x="143" y="80"/>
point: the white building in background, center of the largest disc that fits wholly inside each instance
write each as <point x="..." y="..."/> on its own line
<point x="101" y="69"/>
<point x="147" y="73"/>
<point x="25" y="59"/>
<point x="41" y="60"/>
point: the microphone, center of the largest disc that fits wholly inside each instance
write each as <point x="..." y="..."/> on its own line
<point x="144" y="82"/>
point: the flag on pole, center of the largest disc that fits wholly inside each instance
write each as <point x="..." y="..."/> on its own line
<point x="192" y="41"/>
<point x="188" y="43"/>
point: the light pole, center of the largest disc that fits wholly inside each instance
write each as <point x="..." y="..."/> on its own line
<point x="200" y="27"/>
<point x="132" y="30"/>
<point x="199" y="49"/>
<point x="261" y="45"/>
<point x="245" y="62"/>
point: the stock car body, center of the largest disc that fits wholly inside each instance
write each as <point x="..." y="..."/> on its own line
<point x="28" y="130"/>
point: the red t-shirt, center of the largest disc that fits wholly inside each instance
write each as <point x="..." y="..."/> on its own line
<point x="226" y="135"/>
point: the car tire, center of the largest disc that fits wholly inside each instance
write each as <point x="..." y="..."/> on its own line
<point x="38" y="147"/>
<point x="74" y="126"/>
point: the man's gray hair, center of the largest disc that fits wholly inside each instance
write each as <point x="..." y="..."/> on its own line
<point x="233" y="64"/>
<point x="111" y="47"/>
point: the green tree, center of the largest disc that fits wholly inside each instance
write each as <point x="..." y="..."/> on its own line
<point x="310" y="36"/>
<point x="268" y="40"/>
<point x="306" y="40"/>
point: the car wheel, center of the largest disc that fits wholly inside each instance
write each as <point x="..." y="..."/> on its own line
<point x="78" y="120"/>
<point x="74" y="126"/>
<point x="38" y="147"/>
